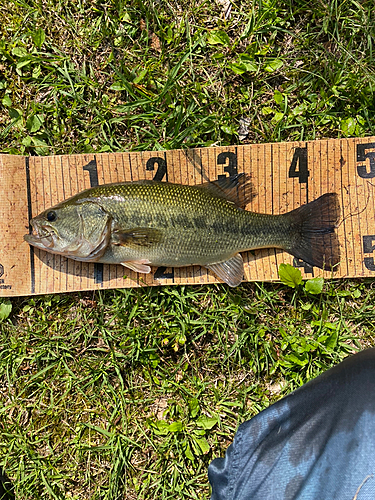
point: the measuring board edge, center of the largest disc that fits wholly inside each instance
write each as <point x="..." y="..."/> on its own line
<point x="286" y="174"/>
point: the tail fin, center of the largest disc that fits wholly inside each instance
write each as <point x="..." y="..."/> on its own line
<point x="314" y="224"/>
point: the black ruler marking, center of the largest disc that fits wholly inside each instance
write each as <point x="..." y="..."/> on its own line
<point x="92" y="169"/>
<point x="342" y="164"/>
<point x="30" y="214"/>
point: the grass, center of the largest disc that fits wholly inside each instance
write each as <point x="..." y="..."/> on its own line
<point x="129" y="394"/>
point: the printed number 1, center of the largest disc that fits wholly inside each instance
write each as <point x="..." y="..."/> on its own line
<point x="92" y="169"/>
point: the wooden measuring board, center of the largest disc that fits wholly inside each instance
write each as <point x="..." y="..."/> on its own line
<point x="285" y="175"/>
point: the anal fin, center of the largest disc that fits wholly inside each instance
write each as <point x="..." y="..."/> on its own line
<point x="139" y="266"/>
<point x="230" y="271"/>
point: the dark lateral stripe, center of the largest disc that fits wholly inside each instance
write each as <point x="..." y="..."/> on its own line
<point x="29" y="210"/>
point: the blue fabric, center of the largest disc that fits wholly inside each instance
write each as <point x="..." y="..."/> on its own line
<point x="317" y="443"/>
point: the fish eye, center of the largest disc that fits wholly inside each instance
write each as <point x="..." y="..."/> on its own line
<point x="51" y="216"/>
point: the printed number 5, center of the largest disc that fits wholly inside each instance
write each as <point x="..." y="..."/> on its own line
<point x="362" y="156"/>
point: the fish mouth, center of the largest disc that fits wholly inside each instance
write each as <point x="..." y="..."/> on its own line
<point x="42" y="236"/>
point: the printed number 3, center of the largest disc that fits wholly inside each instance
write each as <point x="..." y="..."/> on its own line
<point x="369" y="247"/>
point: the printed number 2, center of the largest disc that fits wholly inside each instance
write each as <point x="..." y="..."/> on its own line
<point x="162" y="167"/>
<point x="160" y="173"/>
<point x="298" y="167"/>
<point x="369" y="247"/>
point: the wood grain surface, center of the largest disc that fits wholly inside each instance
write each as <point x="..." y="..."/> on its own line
<point x="285" y="175"/>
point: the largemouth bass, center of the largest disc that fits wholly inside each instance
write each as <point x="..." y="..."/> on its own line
<point x="148" y="223"/>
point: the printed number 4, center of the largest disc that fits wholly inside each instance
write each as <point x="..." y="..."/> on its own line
<point x="298" y="167"/>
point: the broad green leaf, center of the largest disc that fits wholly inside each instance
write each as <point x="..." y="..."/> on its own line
<point x="141" y="75"/>
<point x="206" y="422"/>
<point x="201" y="446"/>
<point x="273" y="65"/>
<point x="7" y="101"/>
<point x="290" y="275"/>
<point x="314" y="286"/>
<point x="331" y="341"/>
<point x="38" y="37"/>
<point x="23" y="61"/>
<point x="278" y="96"/>
<point x="36" y="71"/>
<point x="248" y="62"/>
<point x="301" y="108"/>
<point x="349" y="126"/>
<point x="199" y="432"/>
<point x="34" y="122"/>
<point x="26" y="141"/>
<point x="330" y="326"/>
<point x="227" y="129"/>
<point x="277" y="117"/>
<point x="15" y="114"/>
<point x="300" y="359"/>
<point x="218" y="37"/>
<point x="125" y="16"/>
<point x="17" y="118"/>
<point x="267" y="110"/>
<point x="19" y="51"/>
<point x="41" y="147"/>
<point x="175" y="427"/>
<point x="244" y="65"/>
<point x="189" y="453"/>
<point x="194" y="407"/>
<point x="116" y="86"/>
<point x="237" y="68"/>
<point x="356" y="293"/>
<point x="249" y="66"/>
<point x="161" y="427"/>
<point x="5" y="309"/>
<point x="352" y="126"/>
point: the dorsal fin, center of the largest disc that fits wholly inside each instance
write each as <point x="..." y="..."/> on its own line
<point x="237" y="189"/>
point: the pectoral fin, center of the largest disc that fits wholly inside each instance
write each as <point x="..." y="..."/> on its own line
<point x="139" y="266"/>
<point x="230" y="271"/>
<point x="139" y="236"/>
